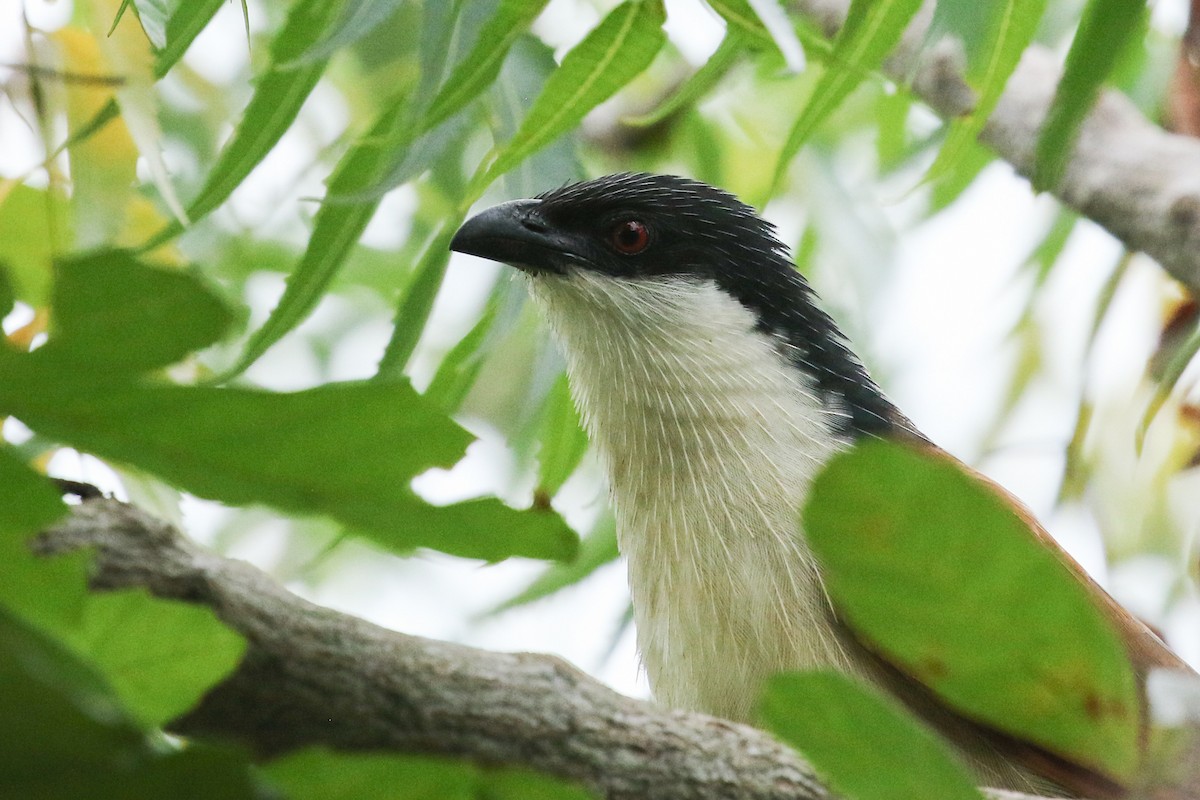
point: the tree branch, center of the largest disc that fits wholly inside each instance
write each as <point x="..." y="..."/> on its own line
<point x="314" y="676"/>
<point x="1127" y="174"/>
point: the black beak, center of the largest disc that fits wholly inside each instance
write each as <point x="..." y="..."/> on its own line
<point x="514" y="233"/>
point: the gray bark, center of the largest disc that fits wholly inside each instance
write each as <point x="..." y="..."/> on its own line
<point x="312" y="676"/>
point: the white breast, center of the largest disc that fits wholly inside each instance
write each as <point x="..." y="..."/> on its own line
<point x="710" y="439"/>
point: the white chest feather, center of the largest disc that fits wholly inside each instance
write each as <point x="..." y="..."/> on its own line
<point x="710" y="440"/>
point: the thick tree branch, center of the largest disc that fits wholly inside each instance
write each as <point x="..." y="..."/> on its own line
<point x="314" y="676"/>
<point x="1127" y="174"/>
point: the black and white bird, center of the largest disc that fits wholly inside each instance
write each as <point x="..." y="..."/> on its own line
<point x="714" y="389"/>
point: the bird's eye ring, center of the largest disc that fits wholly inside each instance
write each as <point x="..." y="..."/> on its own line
<point x="630" y="237"/>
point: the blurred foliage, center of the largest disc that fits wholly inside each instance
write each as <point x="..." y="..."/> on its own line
<point x="203" y="224"/>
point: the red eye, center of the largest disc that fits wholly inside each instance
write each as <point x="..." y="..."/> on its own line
<point x="630" y="237"/>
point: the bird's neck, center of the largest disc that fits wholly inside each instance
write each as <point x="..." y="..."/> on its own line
<point x="710" y="438"/>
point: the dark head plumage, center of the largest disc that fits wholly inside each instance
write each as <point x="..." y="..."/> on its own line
<point x="693" y="231"/>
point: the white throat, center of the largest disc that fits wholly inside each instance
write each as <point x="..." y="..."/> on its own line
<point x="710" y="438"/>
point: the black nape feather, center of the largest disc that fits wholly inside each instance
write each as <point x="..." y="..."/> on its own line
<point x="702" y="232"/>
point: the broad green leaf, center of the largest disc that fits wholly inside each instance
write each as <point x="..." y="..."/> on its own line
<point x="871" y="30"/>
<point x="866" y="745"/>
<point x="279" y="93"/>
<point x="66" y="736"/>
<point x="348" y="451"/>
<point x="610" y="56"/>
<point x="335" y="230"/>
<point x="47" y="592"/>
<point x="1105" y="31"/>
<point x="597" y="549"/>
<point x="317" y="774"/>
<point x="912" y="545"/>
<point x="417" y="301"/>
<point x="561" y="439"/>
<point x="1013" y="26"/>
<point x="160" y="656"/>
<point x="357" y="19"/>
<point x="57" y="711"/>
<point x="113" y="313"/>
<point x="700" y="83"/>
<point x="481" y="66"/>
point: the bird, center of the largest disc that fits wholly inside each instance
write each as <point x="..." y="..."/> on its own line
<point x="714" y="388"/>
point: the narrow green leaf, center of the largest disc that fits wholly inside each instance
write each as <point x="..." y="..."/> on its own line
<point x="34" y="225"/>
<point x="278" y="96"/>
<point x="561" y="439"/>
<point x="481" y="66"/>
<point x="459" y="368"/>
<point x="1014" y="26"/>
<point x="699" y="83"/>
<point x="160" y="656"/>
<point x="357" y="19"/>
<point x="871" y="30"/>
<point x="739" y="16"/>
<point x="188" y="18"/>
<point x="1175" y="367"/>
<point x="335" y="230"/>
<point x="154" y="16"/>
<point x="616" y="51"/>
<point x="912" y="545"/>
<point x="597" y="549"/>
<point x="417" y="301"/>
<point x="865" y="744"/>
<point x="1104" y="33"/>
<point x="113" y="313"/>
<point x="348" y="451"/>
<point x="775" y="20"/>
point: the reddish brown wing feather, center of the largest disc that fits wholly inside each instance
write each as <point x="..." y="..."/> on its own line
<point x="1146" y="652"/>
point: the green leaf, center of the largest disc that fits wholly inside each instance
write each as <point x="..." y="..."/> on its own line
<point x="278" y="96"/>
<point x="700" y="83"/>
<point x="561" y="439"/>
<point x="335" y="230"/>
<point x="865" y="744"/>
<point x="1105" y="31"/>
<point x="481" y="66"/>
<point x="188" y="18"/>
<point x="739" y="16"/>
<point x="46" y="592"/>
<point x="459" y="368"/>
<point x="912" y="545"/>
<point x="357" y="19"/>
<point x="417" y="301"/>
<point x="113" y="313"/>
<point x="348" y="451"/>
<point x="316" y="774"/>
<point x="1013" y="26"/>
<point x="160" y="656"/>
<point x="66" y="736"/>
<point x="596" y="550"/>
<point x="871" y="30"/>
<point x="610" y="56"/>
<point x="34" y="225"/>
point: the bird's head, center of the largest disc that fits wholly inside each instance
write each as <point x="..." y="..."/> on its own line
<point x="664" y="261"/>
<point x="629" y="226"/>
